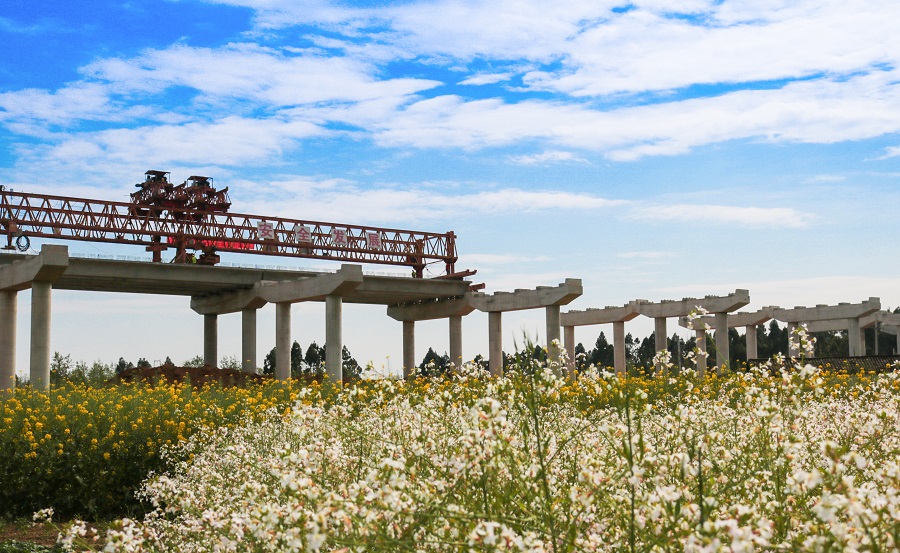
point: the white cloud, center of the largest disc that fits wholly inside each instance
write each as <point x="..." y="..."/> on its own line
<point x="343" y="201"/>
<point x="486" y="78"/>
<point x="819" y="111"/>
<point x="779" y="217"/>
<point x="253" y="72"/>
<point x="76" y="102"/>
<point x="481" y="259"/>
<point x="658" y="45"/>
<point x="229" y="141"/>
<point x="889" y="152"/>
<point x="546" y="158"/>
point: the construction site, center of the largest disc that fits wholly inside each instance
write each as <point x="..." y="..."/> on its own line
<point x="187" y="227"/>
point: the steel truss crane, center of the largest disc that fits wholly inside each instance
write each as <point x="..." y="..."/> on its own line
<point x="193" y="217"/>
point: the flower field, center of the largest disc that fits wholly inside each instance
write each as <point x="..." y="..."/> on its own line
<point x="84" y="451"/>
<point x="795" y="461"/>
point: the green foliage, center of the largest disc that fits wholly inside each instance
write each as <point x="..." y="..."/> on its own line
<point x="433" y="364"/>
<point x="13" y="546"/>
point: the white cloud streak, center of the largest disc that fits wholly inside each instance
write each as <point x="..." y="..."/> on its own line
<point x="778" y="217"/>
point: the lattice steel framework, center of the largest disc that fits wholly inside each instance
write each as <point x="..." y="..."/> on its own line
<point x="38" y="215"/>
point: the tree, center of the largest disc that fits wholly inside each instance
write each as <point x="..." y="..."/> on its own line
<point x="433" y="364"/>
<point x="645" y="352"/>
<point x="230" y="362"/>
<point x="296" y="359"/>
<point x="60" y="366"/>
<point x="314" y="358"/>
<point x="123" y="365"/>
<point x="196" y="361"/>
<point x="603" y="354"/>
<point x="349" y="366"/>
<point x="269" y="362"/>
<point x="581" y="357"/>
<point x="143" y="363"/>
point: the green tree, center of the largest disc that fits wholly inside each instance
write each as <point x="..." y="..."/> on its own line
<point x="269" y="362"/>
<point x="581" y="357"/>
<point x="314" y="358"/>
<point x="123" y="365"/>
<point x="230" y="362"/>
<point x="143" y="363"/>
<point x="603" y="354"/>
<point x="350" y="367"/>
<point x="196" y="361"/>
<point x="296" y="359"/>
<point x="60" y="366"/>
<point x="433" y="364"/>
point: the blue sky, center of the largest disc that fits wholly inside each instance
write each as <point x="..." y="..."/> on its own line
<point x="654" y="149"/>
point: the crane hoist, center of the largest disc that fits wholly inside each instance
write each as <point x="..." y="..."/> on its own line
<point x="194" y="219"/>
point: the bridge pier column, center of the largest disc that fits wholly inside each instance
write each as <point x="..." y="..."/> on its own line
<point x="661" y="339"/>
<point x="248" y="340"/>
<point x="619" y="358"/>
<point x="409" y="349"/>
<point x="495" y="343"/>
<point x="40" y="334"/>
<point x="750" y="336"/>
<point x="456" y="340"/>
<point x="856" y="338"/>
<point x="723" y="348"/>
<point x="700" y="334"/>
<point x="8" y="311"/>
<point x="552" y="318"/>
<point x="210" y="340"/>
<point x="334" y="345"/>
<point x="283" y="340"/>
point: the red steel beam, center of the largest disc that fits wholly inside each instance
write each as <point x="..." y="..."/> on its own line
<point x="45" y="216"/>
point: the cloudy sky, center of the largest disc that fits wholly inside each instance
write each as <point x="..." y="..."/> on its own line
<point x="655" y="149"/>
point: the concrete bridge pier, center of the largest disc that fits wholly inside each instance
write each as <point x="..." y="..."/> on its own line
<point x="455" y="323"/>
<point x="750" y="337"/>
<point x="409" y="349"/>
<point x="334" y="342"/>
<point x="659" y="326"/>
<point x="495" y="343"/>
<point x="8" y="311"/>
<point x="700" y="334"/>
<point x="283" y="340"/>
<point x="619" y="358"/>
<point x="40" y="334"/>
<point x="723" y="348"/>
<point x="211" y="340"/>
<point x="248" y="340"/>
<point x="856" y="338"/>
<point x="552" y="318"/>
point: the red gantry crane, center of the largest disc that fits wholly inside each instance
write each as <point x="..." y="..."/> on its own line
<point x="193" y="217"/>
